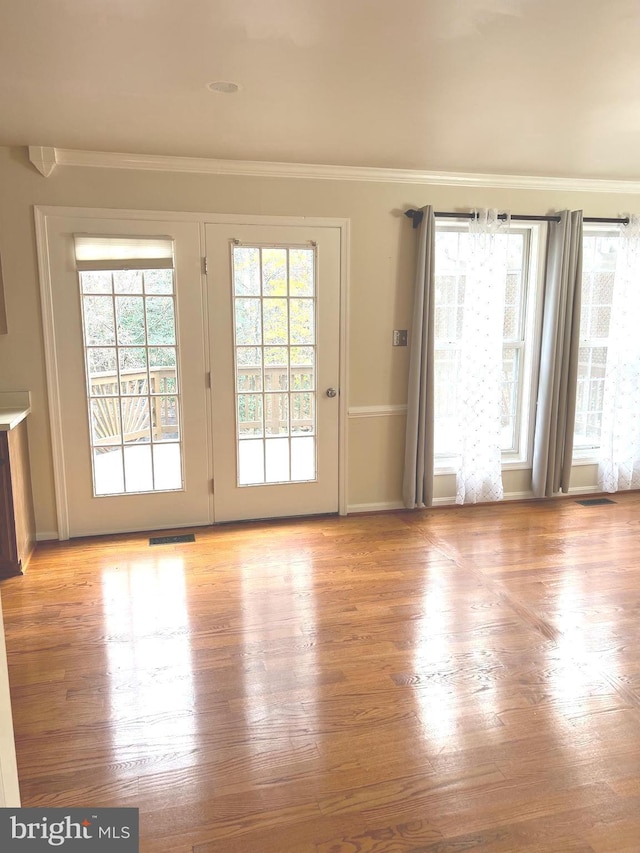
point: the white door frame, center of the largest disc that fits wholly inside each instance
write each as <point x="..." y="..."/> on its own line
<point x="43" y="212"/>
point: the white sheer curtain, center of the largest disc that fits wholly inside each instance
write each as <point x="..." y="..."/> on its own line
<point x="479" y="476"/>
<point x="619" y="463"/>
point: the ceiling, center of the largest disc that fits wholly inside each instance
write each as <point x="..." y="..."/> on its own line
<point x="532" y="87"/>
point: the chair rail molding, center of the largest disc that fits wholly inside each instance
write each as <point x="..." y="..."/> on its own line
<point x="377" y="411"/>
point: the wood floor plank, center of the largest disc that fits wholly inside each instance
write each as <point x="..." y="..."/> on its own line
<point x="459" y="679"/>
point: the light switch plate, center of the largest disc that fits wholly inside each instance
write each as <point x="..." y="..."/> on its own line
<point x="399" y="337"/>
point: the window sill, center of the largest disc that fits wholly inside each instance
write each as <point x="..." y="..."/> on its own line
<point x="584" y="460"/>
<point x="514" y="465"/>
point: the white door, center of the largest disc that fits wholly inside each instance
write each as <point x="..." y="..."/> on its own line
<point x="274" y="296"/>
<point x="123" y="308"/>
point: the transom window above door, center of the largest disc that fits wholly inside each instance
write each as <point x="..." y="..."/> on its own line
<point x="131" y="361"/>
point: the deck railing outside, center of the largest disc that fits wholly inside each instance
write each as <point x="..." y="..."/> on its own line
<point x="145" y="403"/>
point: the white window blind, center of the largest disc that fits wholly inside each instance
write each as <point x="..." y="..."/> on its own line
<point x="122" y="253"/>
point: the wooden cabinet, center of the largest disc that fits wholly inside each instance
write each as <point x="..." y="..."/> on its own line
<point x="17" y="524"/>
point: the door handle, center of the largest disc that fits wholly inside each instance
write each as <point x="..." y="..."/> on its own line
<point x="331" y="392"/>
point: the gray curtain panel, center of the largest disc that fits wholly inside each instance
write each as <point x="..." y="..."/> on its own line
<point x="418" y="459"/>
<point x="556" y="406"/>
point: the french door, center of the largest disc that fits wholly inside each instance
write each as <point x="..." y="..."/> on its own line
<point x="274" y="293"/>
<point x="184" y="393"/>
<point x="123" y="311"/>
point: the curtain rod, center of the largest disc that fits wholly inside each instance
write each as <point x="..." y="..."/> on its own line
<point x="416" y="217"/>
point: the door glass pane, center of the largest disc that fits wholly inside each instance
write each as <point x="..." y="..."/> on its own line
<point x="163" y="370"/>
<point x="301" y="265"/>
<point x="105" y="421"/>
<point x="99" y="326"/>
<point x="302" y="414"/>
<point x="135" y="419"/>
<point x="274" y="272"/>
<point x="250" y="462"/>
<point x="303" y="458"/>
<point x="158" y="281"/>
<point x="98" y="282"/>
<point x="276" y="414"/>
<point x="160" y="320"/>
<point x="130" y="326"/>
<point x="249" y="415"/>
<point x="276" y="368"/>
<point x="138" y="470"/>
<point x="102" y="373"/>
<point x="302" y="369"/>
<point x="248" y="323"/>
<point x="127" y="281"/>
<point x="166" y="426"/>
<point x="276" y="322"/>
<point x="302" y="321"/>
<point x="246" y="272"/>
<point x="131" y="361"/>
<point x="275" y="355"/>
<point x="108" y="471"/>
<point x="249" y="369"/>
<point x="277" y="460"/>
<point x="166" y="466"/>
<point x="133" y="370"/>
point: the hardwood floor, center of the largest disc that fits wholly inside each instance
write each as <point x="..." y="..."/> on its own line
<point x="462" y="679"/>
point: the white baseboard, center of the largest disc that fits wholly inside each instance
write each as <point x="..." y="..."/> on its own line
<point x="384" y="506"/>
<point x="509" y="496"/>
<point x="381" y="506"/>
<point x="387" y="506"/>
<point x="586" y="490"/>
<point x="46" y="535"/>
<point x="528" y="495"/>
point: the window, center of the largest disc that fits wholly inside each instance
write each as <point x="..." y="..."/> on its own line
<point x="131" y="359"/>
<point x="519" y="338"/>
<point x="600" y="248"/>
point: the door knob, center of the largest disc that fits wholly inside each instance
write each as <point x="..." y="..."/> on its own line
<point x="331" y="392"/>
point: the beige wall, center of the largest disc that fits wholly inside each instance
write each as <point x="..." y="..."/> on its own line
<point x="382" y="255"/>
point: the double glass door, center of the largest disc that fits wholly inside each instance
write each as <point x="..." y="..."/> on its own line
<point x="186" y="392"/>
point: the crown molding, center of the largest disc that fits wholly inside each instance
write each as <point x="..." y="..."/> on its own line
<point x="46" y="159"/>
<point x="43" y="158"/>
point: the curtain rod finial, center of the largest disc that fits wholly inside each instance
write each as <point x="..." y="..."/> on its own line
<point x="415" y="216"/>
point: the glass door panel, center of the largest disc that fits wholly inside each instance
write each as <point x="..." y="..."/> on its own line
<point x="126" y="325"/>
<point x="275" y="360"/>
<point x="130" y="347"/>
<point x="275" y="343"/>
